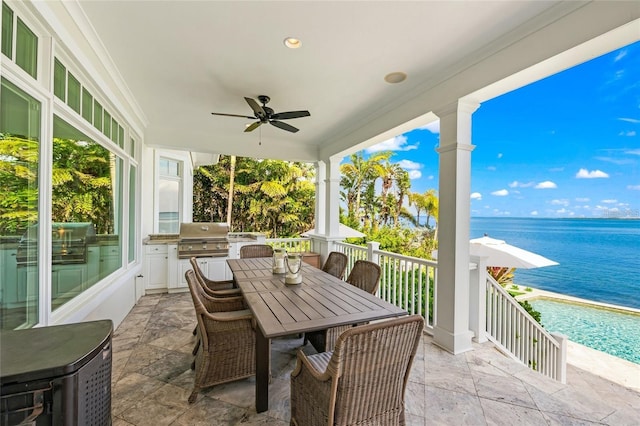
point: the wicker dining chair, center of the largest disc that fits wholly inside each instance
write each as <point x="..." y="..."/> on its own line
<point x="366" y="276"/>
<point x="211" y="287"/>
<point x="256" y="250"/>
<point x="227" y="339"/>
<point x="363" y="381"/>
<point x="336" y="264"/>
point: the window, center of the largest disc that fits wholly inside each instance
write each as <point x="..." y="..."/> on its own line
<point x="132" y="213"/>
<point x="19" y="164"/>
<point x="73" y="93"/>
<point x="169" y="196"/>
<point x="85" y="211"/>
<point x="26" y="49"/>
<point x="7" y="31"/>
<point x="59" y="80"/>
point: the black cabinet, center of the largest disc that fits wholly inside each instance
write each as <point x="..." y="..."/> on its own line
<point x="57" y="375"/>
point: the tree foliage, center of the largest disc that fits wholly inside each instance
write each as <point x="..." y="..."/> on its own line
<point x="270" y="196"/>
<point x="81" y="180"/>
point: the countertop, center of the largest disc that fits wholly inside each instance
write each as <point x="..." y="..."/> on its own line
<point x="244" y="237"/>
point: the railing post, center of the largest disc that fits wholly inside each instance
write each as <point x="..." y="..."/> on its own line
<point x="372" y="247"/>
<point x="478" y="299"/>
<point x="561" y="360"/>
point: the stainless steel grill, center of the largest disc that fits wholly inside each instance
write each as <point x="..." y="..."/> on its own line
<point x="203" y="239"/>
<point x="68" y="244"/>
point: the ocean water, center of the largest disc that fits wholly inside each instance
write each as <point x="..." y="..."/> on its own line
<point x="599" y="259"/>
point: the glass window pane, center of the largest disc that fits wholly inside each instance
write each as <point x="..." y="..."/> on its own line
<point x="107" y="124"/>
<point x="97" y="115"/>
<point x="169" y="206"/>
<point x="19" y="160"/>
<point x="114" y="131"/>
<point x="7" y="31"/>
<point x="59" y="80"/>
<point x="87" y="105"/>
<point x="132" y="213"/>
<point x="85" y="211"/>
<point x="73" y="94"/>
<point x="132" y="148"/>
<point x="26" y="49"/>
<point x="120" y="136"/>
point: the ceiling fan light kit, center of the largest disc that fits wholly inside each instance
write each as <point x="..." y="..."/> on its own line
<point x="264" y="114"/>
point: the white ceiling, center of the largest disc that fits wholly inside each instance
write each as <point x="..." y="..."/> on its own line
<point x="182" y="60"/>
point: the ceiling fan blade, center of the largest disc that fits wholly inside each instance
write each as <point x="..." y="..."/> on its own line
<point x="253" y="126"/>
<point x="290" y="114"/>
<point x="255" y="107"/>
<point x="233" y="115"/>
<point x="283" y="126"/>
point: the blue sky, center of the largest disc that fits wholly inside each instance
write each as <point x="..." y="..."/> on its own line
<point x="565" y="146"/>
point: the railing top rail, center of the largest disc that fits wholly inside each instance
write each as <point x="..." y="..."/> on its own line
<point x="354" y="246"/>
<point x="521" y="310"/>
<point x="427" y="262"/>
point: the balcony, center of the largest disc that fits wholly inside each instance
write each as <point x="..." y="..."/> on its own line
<point x="152" y="380"/>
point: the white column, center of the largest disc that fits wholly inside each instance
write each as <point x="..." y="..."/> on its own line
<point x="332" y="198"/>
<point x="321" y="197"/>
<point x="451" y="330"/>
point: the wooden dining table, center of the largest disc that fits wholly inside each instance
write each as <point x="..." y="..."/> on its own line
<point x="321" y="301"/>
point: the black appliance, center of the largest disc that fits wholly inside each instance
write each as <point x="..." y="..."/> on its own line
<point x="57" y="375"/>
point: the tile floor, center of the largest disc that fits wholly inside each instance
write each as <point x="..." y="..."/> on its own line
<point x="152" y="380"/>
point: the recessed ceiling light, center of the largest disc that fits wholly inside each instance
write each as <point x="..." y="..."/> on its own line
<point x="292" y="42"/>
<point x="395" y="77"/>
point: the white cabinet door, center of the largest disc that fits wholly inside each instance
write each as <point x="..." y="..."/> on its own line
<point x="156" y="267"/>
<point x="217" y="269"/>
<point x="183" y="266"/>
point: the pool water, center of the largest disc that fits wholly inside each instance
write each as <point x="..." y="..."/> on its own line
<point x="609" y="331"/>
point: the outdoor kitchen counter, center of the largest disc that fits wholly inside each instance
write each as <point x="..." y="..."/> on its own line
<point x="174" y="238"/>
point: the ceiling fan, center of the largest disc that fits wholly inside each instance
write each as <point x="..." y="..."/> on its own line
<point x="264" y="114"/>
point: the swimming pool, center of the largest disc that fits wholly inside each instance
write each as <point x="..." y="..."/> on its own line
<point x="609" y="331"/>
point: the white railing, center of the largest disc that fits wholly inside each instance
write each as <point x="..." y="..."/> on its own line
<point x="353" y="252"/>
<point x="510" y="327"/>
<point x="292" y="245"/>
<point x="407" y="282"/>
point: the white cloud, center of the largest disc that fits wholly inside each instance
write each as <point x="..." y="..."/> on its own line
<point x="476" y="196"/>
<point x="430" y="177"/>
<point x="633" y="152"/>
<point x="412" y="167"/>
<point x="547" y="184"/>
<point x="516" y="184"/>
<point x="585" y="174"/>
<point x="491" y="168"/>
<point x="399" y="143"/>
<point x="629" y="120"/>
<point x="563" y="202"/>
<point x="409" y="165"/>
<point x="433" y="127"/>
<point x="500" y="193"/>
<point x="499" y="155"/>
<point x="609" y="201"/>
<point x="633" y="187"/>
<point x="534" y="213"/>
<point x="627" y="133"/>
<point x="582" y="200"/>
<point x="562" y="211"/>
<point x="556" y="169"/>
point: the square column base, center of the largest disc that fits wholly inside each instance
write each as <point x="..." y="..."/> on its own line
<point x="453" y="343"/>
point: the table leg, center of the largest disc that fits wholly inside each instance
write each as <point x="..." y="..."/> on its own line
<point x="263" y="356"/>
